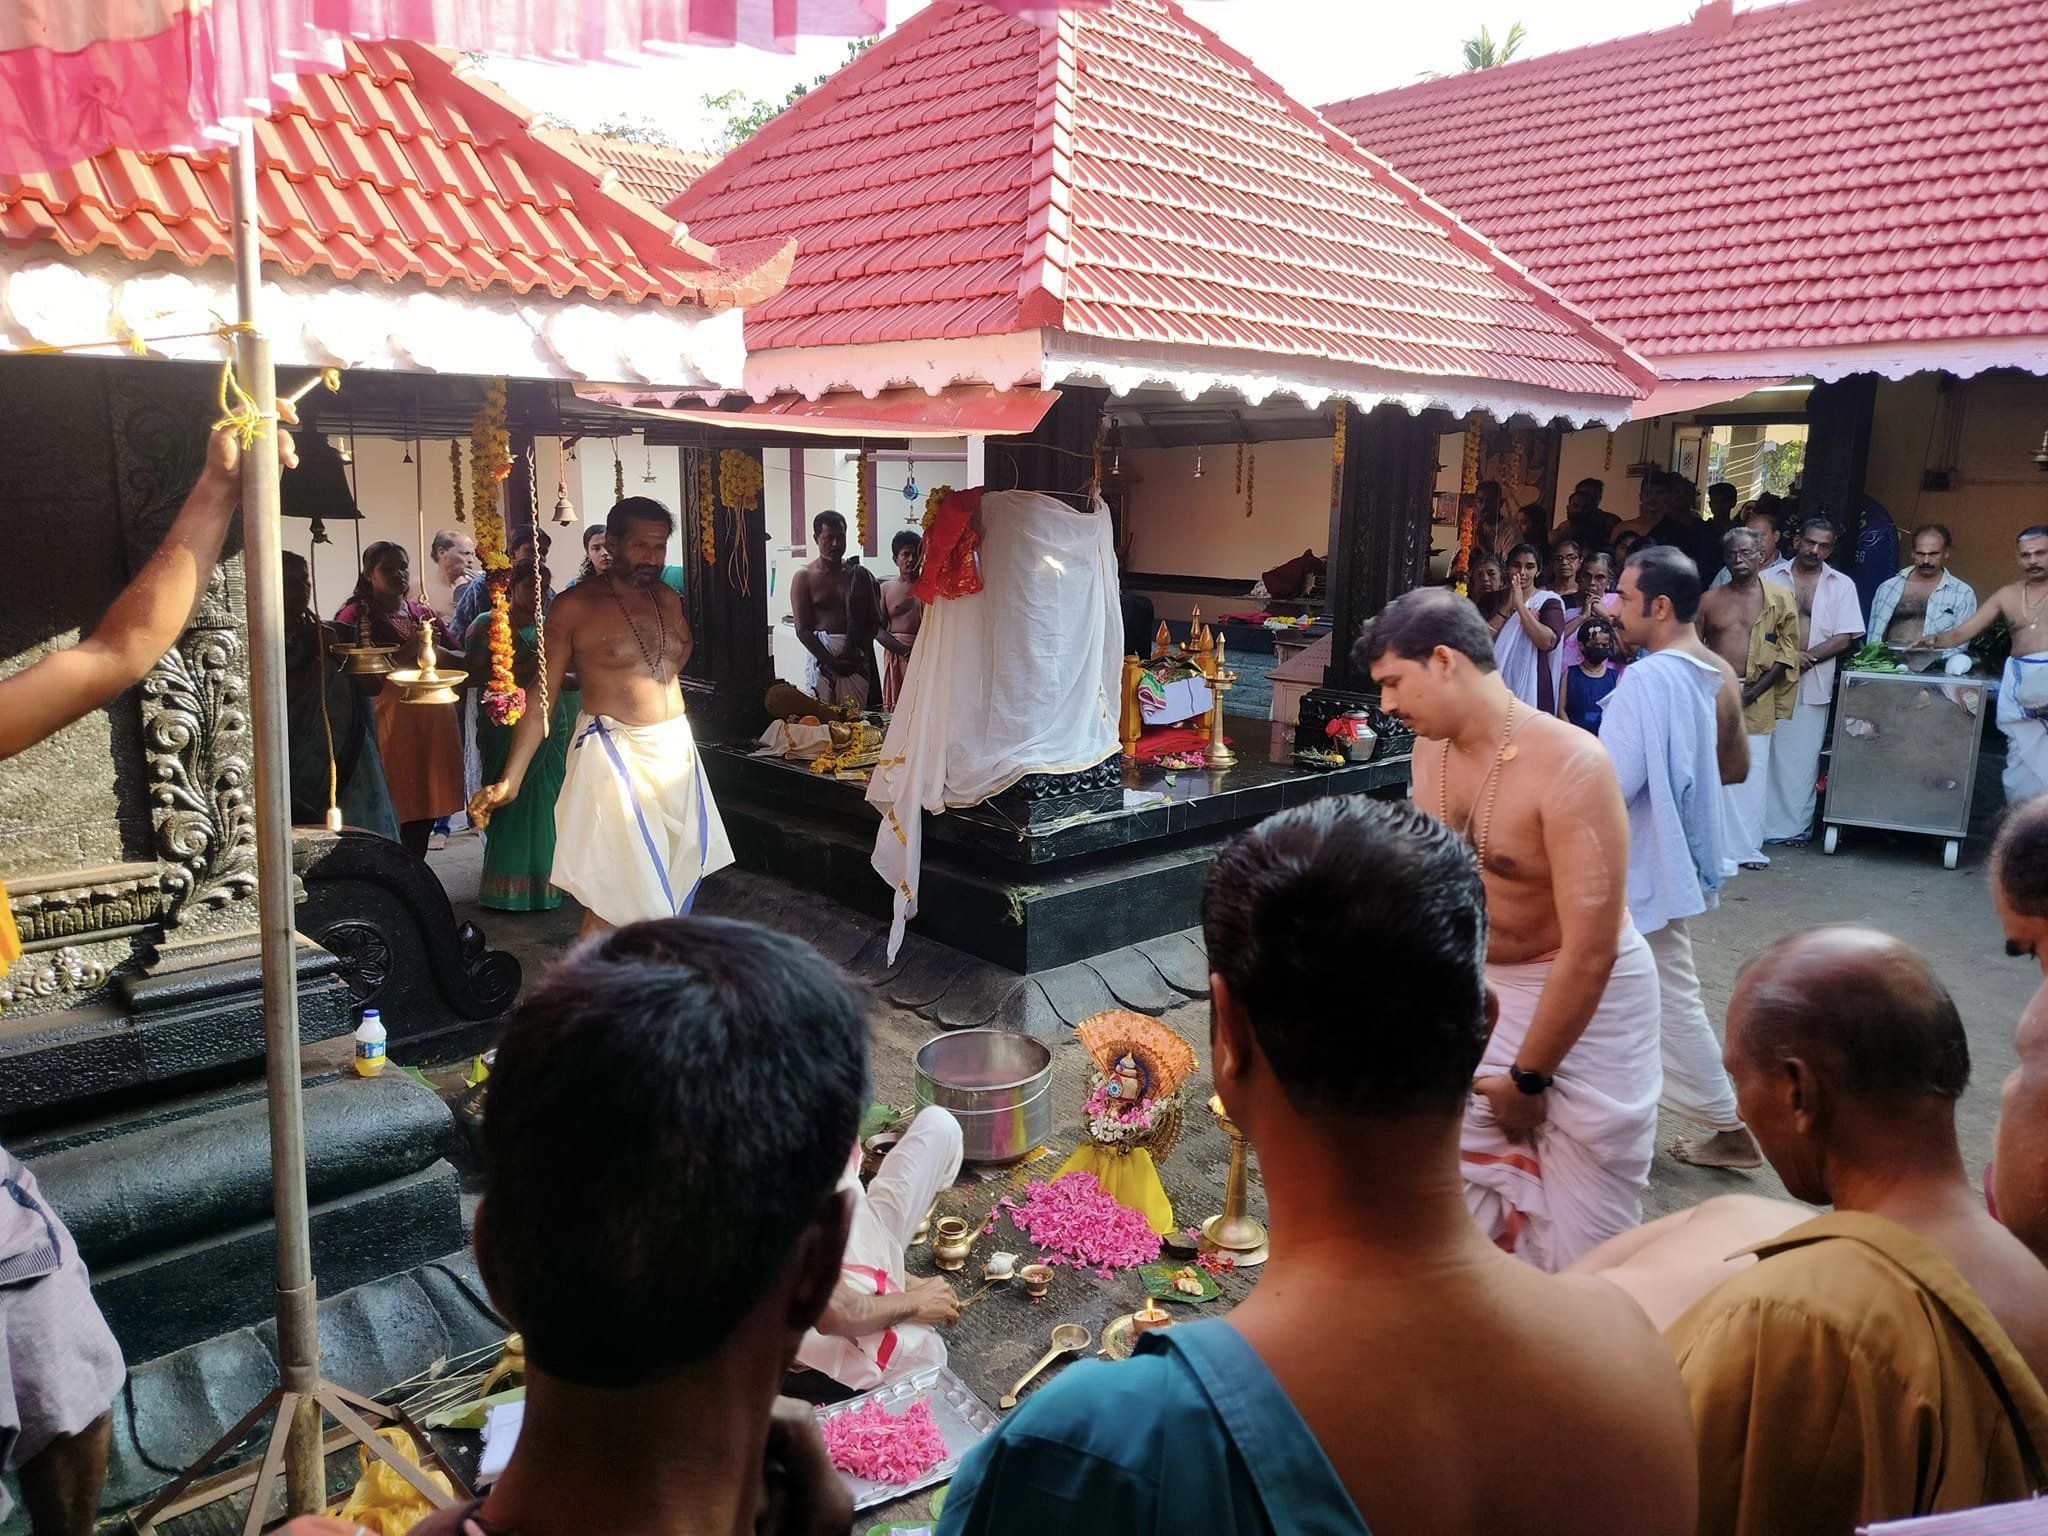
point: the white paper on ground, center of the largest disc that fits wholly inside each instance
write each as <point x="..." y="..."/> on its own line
<point x="501" y="1433"/>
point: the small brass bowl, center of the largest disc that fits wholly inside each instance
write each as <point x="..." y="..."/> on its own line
<point x="1037" y="1280"/>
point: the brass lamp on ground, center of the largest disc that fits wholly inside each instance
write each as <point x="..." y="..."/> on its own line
<point x="1234" y="1232"/>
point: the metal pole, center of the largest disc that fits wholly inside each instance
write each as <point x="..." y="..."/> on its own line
<point x="298" y="1334"/>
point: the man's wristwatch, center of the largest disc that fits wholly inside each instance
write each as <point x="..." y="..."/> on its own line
<point x="1531" y="1083"/>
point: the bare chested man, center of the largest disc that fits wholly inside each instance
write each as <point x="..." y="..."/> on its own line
<point x="636" y="831"/>
<point x="2023" y="694"/>
<point x="1753" y="626"/>
<point x="902" y="613"/>
<point x="1562" y="1119"/>
<point x="837" y="611"/>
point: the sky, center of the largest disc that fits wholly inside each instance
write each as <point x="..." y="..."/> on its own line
<point x="1320" y="50"/>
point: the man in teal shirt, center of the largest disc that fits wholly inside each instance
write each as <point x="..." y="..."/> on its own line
<point x="1394" y="1369"/>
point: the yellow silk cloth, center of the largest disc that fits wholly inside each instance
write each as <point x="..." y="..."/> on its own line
<point x="1129" y="1177"/>
<point x="10" y="939"/>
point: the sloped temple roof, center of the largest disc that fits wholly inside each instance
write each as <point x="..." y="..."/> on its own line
<point x="1864" y="184"/>
<point x="1131" y="187"/>
<point x="399" y="170"/>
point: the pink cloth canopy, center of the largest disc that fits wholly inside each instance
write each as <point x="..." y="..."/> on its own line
<point x="81" y="76"/>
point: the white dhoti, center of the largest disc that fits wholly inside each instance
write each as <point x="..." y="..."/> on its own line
<point x="1743" y="806"/>
<point x="885" y="1218"/>
<point x="2026" y="730"/>
<point x="1795" y="770"/>
<point x="1579" y="1179"/>
<point x="636" y="831"/>
<point x="829" y="687"/>
<point x="1695" y="1082"/>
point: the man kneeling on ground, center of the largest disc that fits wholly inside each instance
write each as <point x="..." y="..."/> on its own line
<point x="662" y="1220"/>
<point x="1394" y="1369"/>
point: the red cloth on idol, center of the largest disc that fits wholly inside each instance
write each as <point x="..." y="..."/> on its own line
<point x="950" y="545"/>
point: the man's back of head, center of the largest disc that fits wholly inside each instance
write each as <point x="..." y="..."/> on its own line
<point x="669" y="1115"/>
<point x="1349" y="1013"/>
<point x="1301" y="908"/>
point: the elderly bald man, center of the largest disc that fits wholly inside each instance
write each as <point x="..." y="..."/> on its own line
<point x="1883" y="1360"/>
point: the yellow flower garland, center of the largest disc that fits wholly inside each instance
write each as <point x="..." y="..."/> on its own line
<point x="1251" y="471"/>
<point x="490" y="461"/>
<point x="707" y="509"/>
<point x="455" y="470"/>
<point x="861" y="508"/>
<point x="1337" y="457"/>
<point x="739" y="479"/>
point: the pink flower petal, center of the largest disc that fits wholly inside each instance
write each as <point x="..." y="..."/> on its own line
<point x="882" y="1447"/>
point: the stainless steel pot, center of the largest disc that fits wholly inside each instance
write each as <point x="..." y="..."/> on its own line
<point x="997" y="1083"/>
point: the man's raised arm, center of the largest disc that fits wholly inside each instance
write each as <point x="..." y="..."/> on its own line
<point x="144" y="620"/>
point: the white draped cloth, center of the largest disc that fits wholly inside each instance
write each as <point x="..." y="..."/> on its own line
<point x="2026" y="730"/>
<point x="1520" y="663"/>
<point x="1018" y="678"/>
<point x="1579" y="1179"/>
<point x="636" y="829"/>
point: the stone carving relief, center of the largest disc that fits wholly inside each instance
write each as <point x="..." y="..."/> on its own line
<point x="49" y="973"/>
<point x="197" y="739"/>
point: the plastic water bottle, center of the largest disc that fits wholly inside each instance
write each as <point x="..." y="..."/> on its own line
<point x="370" y="1044"/>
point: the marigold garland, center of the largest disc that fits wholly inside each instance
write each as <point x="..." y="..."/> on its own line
<point x="739" y="480"/>
<point x="1251" y="471"/>
<point x="1468" y="480"/>
<point x="707" y="509"/>
<point x="618" y="475"/>
<point x="1237" y="482"/>
<point x="1337" y="458"/>
<point x="490" y="461"/>
<point x="932" y="504"/>
<point x="861" y="503"/>
<point x="455" y="470"/>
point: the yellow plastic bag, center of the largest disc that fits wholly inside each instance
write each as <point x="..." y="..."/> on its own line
<point x="1127" y="1176"/>
<point x="384" y="1503"/>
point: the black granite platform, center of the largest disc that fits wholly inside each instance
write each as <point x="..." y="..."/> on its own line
<point x="1024" y="892"/>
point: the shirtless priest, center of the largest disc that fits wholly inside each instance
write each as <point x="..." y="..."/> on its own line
<point x="636" y="832"/>
<point x="1562" y="1119"/>
<point x="838" y="612"/>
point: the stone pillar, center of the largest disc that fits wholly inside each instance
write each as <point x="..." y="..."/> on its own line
<point x="727" y="606"/>
<point x="1838" y="419"/>
<point x="1379" y="525"/>
<point x="1059" y="456"/>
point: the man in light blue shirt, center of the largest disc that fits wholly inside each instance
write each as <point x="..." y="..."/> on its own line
<point x="1394" y="1369"/>
<point x="1660" y="728"/>
<point x="1923" y="600"/>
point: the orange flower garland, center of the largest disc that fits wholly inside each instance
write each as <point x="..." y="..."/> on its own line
<point x="1251" y="471"/>
<point x="707" y="508"/>
<point x="455" y="471"/>
<point x="861" y="508"/>
<point x="490" y="461"/>
<point x="1337" y="457"/>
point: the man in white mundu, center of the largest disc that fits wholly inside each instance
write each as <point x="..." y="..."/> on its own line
<point x="880" y="1325"/>
<point x="1561" y="1124"/>
<point x="636" y="831"/>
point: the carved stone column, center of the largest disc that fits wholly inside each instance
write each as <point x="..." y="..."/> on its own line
<point x="1379" y="527"/>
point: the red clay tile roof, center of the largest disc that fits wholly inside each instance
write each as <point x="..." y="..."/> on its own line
<point x="1811" y="175"/>
<point x="654" y="173"/>
<point x="1125" y="176"/>
<point x="397" y="167"/>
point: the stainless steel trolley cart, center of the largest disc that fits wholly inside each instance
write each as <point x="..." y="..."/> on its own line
<point x="1905" y="755"/>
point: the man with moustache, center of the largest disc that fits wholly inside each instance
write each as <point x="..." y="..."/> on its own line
<point x="636" y="831"/>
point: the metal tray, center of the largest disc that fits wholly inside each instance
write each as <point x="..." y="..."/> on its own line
<point x="964" y="1420"/>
